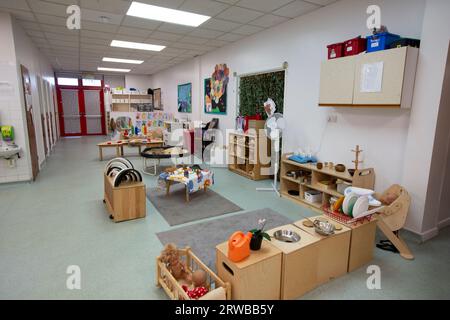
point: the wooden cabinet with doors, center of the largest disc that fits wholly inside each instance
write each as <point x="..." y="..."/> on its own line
<point x="376" y="79"/>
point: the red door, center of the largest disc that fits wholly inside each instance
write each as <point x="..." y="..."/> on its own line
<point x="81" y="110"/>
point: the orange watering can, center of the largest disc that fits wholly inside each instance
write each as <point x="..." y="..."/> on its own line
<point x="239" y="246"/>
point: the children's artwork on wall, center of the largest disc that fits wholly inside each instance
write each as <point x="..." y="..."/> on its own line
<point x="216" y="90"/>
<point x="185" y="98"/>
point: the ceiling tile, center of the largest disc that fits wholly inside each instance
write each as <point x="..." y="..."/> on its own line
<point x="100" y="16"/>
<point x="182" y="45"/>
<point x="263" y="5"/>
<point x="48" y="8"/>
<point x="268" y="21"/>
<point x="70" y="44"/>
<point x="158" y="42"/>
<point x="101" y="27"/>
<point x="194" y="40"/>
<point x="220" y="25"/>
<point x="58" y="29"/>
<point x="102" y="42"/>
<point x="140" y="23"/>
<point x="296" y="9"/>
<point x="52" y="20"/>
<point x="133" y="31"/>
<point x="173" y="4"/>
<point x="21" y="15"/>
<point x="217" y="43"/>
<point x="247" y="30"/>
<point x="29" y="25"/>
<point x="35" y="33"/>
<point x="240" y="15"/>
<point x="62" y="37"/>
<point x="166" y="36"/>
<point x="95" y="34"/>
<point x="111" y="6"/>
<point x="15" y="4"/>
<point x="205" y="33"/>
<point x="174" y="28"/>
<point x="205" y="7"/>
<point x="230" y="37"/>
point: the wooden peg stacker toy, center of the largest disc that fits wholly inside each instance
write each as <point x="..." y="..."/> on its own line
<point x="357" y="151"/>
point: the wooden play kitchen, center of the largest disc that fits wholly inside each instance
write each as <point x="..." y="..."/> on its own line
<point x="332" y="251"/>
<point x="299" y="263"/>
<point x="255" y="278"/>
<point x="245" y="156"/>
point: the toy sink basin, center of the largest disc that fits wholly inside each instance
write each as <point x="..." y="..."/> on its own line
<point x="7" y="152"/>
<point x="286" y="236"/>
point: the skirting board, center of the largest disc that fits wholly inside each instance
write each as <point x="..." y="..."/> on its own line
<point x="420" y="237"/>
<point x="444" y="223"/>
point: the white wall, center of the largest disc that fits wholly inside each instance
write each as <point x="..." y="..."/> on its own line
<point x="139" y="82"/>
<point x="17" y="49"/>
<point x="302" y="43"/>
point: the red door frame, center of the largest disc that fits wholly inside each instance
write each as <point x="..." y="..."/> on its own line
<point x="82" y="108"/>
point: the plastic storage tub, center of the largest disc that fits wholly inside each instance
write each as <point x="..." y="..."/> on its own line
<point x="381" y="41"/>
<point x="405" y="42"/>
<point x="335" y="50"/>
<point x="354" y="46"/>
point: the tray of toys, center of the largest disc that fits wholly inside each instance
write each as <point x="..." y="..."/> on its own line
<point x="183" y="276"/>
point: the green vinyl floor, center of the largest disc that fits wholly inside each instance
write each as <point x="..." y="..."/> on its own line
<point x="60" y="220"/>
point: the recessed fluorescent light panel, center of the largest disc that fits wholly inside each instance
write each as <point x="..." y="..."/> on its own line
<point x="105" y="59"/>
<point x="136" y="45"/>
<point x="113" y="69"/>
<point x="147" y="11"/>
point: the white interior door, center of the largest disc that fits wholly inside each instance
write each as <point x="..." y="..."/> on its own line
<point x="93" y="111"/>
<point x="71" y="111"/>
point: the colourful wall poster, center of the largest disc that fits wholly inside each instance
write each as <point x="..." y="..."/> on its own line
<point x="185" y="98"/>
<point x="216" y="90"/>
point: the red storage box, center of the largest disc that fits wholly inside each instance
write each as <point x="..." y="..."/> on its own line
<point x="355" y="46"/>
<point x="335" y="50"/>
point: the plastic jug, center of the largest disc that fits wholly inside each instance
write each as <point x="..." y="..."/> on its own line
<point x="239" y="246"/>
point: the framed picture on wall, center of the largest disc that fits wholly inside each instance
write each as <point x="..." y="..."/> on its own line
<point x="157" y="99"/>
<point x="185" y="98"/>
<point x="216" y="91"/>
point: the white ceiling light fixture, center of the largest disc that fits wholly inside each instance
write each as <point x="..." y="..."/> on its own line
<point x="147" y="11"/>
<point x="136" y="45"/>
<point x="106" y="59"/>
<point x="113" y="69"/>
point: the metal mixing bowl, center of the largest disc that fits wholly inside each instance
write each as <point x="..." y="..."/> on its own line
<point x="324" y="228"/>
<point x="286" y="236"/>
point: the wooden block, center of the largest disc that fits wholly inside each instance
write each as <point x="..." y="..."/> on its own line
<point x="258" y="277"/>
<point x="299" y="263"/>
<point x="332" y="251"/>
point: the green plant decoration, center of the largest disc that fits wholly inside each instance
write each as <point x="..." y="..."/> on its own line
<point x="254" y="91"/>
<point x="260" y="232"/>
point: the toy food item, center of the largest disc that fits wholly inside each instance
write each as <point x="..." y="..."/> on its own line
<point x="319" y="165"/>
<point x="340" y="168"/>
<point x="388" y="198"/>
<point x="239" y="246"/>
<point x="338" y="204"/>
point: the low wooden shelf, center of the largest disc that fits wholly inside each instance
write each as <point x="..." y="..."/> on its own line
<point x="364" y="178"/>
<point x="245" y="156"/>
<point x="126" y="202"/>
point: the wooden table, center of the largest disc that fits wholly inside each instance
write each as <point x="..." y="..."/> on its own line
<point x="169" y="183"/>
<point x="118" y="145"/>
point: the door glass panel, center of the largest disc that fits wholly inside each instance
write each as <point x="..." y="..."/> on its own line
<point x="92" y="83"/>
<point x="71" y="111"/>
<point x="93" y="113"/>
<point x="68" y="81"/>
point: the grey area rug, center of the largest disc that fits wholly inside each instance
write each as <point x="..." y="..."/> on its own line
<point x="203" y="237"/>
<point x="176" y="210"/>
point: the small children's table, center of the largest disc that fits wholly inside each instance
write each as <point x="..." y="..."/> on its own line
<point x="194" y="180"/>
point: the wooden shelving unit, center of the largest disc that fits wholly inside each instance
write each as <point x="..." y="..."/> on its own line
<point x="126" y="102"/>
<point x="244" y="156"/>
<point x="364" y="178"/>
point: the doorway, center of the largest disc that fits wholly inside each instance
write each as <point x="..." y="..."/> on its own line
<point x="81" y="107"/>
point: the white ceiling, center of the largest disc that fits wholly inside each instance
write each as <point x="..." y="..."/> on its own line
<point x="82" y="50"/>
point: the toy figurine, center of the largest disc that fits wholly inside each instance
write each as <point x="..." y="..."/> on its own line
<point x="177" y="268"/>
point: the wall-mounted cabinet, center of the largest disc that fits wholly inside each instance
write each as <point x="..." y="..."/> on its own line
<point x="379" y="79"/>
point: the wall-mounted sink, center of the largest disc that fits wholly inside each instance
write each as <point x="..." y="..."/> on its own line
<point x="9" y="151"/>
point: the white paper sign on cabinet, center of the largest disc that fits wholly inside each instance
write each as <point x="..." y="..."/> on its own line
<point x="372" y="77"/>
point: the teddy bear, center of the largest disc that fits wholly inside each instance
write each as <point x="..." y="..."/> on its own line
<point x="171" y="258"/>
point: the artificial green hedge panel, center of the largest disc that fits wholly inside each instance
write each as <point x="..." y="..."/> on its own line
<point x="254" y="91"/>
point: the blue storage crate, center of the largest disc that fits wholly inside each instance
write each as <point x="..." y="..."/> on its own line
<point x="380" y="41"/>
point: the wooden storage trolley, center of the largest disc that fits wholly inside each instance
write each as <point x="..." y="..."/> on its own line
<point x="255" y="278"/>
<point x="332" y="251"/>
<point x="125" y="202"/>
<point x="249" y="154"/>
<point x="362" y="243"/>
<point x="174" y="289"/>
<point x="299" y="263"/>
